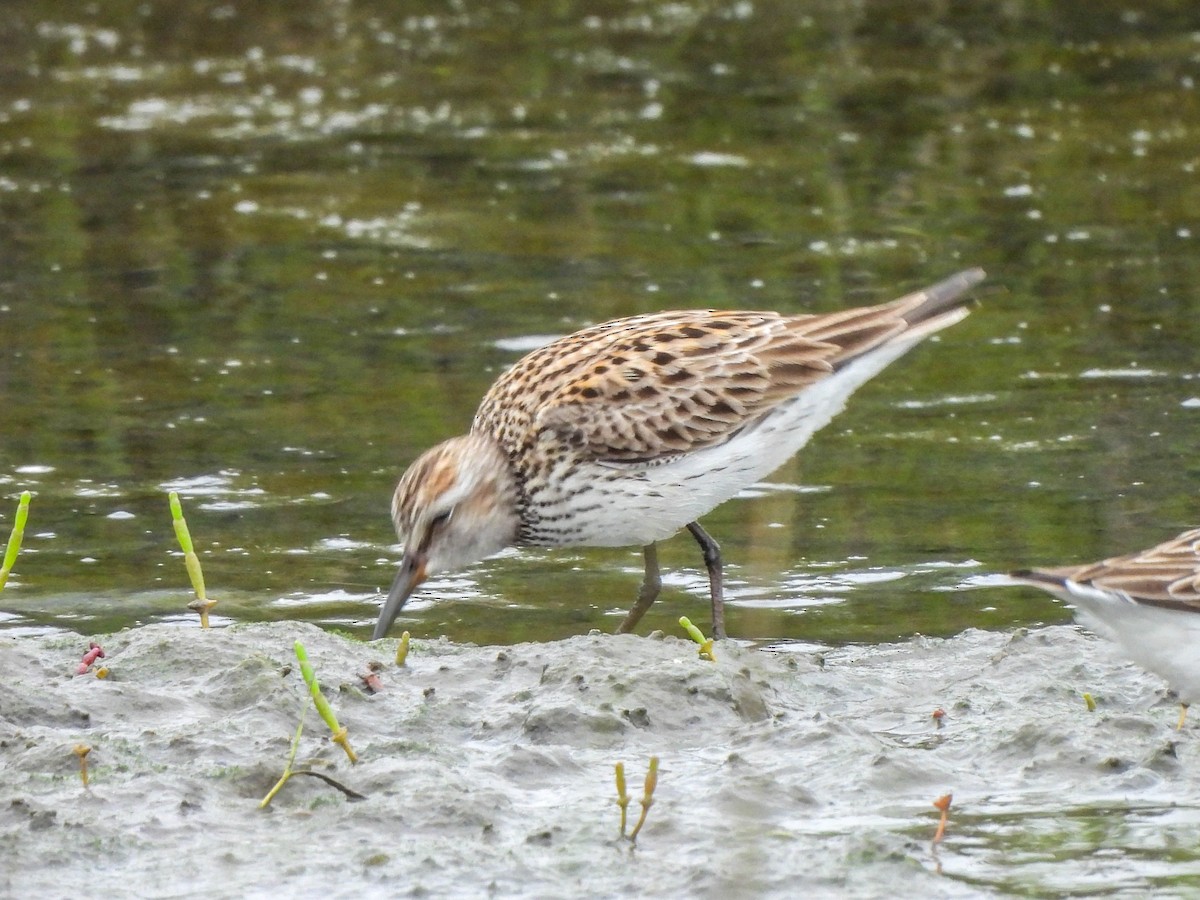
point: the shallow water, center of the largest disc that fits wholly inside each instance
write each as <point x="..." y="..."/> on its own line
<point x="264" y="255"/>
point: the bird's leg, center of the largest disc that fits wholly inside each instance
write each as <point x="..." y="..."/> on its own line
<point x="716" y="582"/>
<point x="1183" y="709"/>
<point x="647" y="593"/>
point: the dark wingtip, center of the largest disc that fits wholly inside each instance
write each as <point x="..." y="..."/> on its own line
<point x="948" y="293"/>
<point x="1036" y="577"/>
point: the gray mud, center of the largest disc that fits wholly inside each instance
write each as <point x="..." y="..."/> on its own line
<point x="489" y="771"/>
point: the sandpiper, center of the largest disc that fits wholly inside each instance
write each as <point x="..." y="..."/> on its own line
<point x="623" y="433"/>
<point x="1147" y="602"/>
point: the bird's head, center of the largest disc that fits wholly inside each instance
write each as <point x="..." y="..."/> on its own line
<point x="455" y="505"/>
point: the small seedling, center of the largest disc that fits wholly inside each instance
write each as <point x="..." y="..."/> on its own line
<point x="647" y="798"/>
<point x="942" y="803"/>
<point x="15" y="538"/>
<point x="706" y="644"/>
<point x="287" y="769"/>
<point x="82" y="751"/>
<point x="939" y="717"/>
<point x="402" y="649"/>
<point x="94" y="653"/>
<point x="323" y="707"/>
<point x="370" y="678"/>
<point x="202" y="604"/>
<point x="622" y="795"/>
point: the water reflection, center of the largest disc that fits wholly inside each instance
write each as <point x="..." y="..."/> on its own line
<point x="264" y="255"/>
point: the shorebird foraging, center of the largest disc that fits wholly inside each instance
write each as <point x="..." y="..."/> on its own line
<point x="1147" y="602"/>
<point x="623" y="433"/>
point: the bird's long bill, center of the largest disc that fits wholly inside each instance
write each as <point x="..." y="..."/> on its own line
<point x="410" y="574"/>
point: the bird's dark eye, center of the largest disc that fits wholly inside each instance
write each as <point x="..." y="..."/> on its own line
<point x="440" y="519"/>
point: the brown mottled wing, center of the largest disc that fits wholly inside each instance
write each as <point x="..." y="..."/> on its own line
<point x="653" y="387"/>
<point x="1166" y="575"/>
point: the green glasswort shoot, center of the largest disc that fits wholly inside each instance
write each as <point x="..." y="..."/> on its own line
<point x="202" y="604"/>
<point x="706" y="644"/>
<point x="622" y="796"/>
<point x="647" y="797"/>
<point x="1089" y="701"/>
<point x="323" y="707"/>
<point x="287" y="769"/>
<point x="14" y="539"/>
<point x="402" y="649"/>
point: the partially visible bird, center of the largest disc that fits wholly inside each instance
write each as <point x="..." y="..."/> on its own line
<point x="625" y="432"/>
<point x="1147" y="602"/>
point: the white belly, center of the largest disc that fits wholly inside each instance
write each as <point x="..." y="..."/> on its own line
<point x="627" y="504"/>
<point x="1160" y="640"/>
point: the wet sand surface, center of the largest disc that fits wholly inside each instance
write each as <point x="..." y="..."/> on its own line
<point x="488" y="771"/>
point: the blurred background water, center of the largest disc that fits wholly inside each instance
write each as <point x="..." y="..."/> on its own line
<point x="264" y="254"/>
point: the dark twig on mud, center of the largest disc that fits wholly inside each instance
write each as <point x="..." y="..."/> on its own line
<point x="350" y="793"/>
